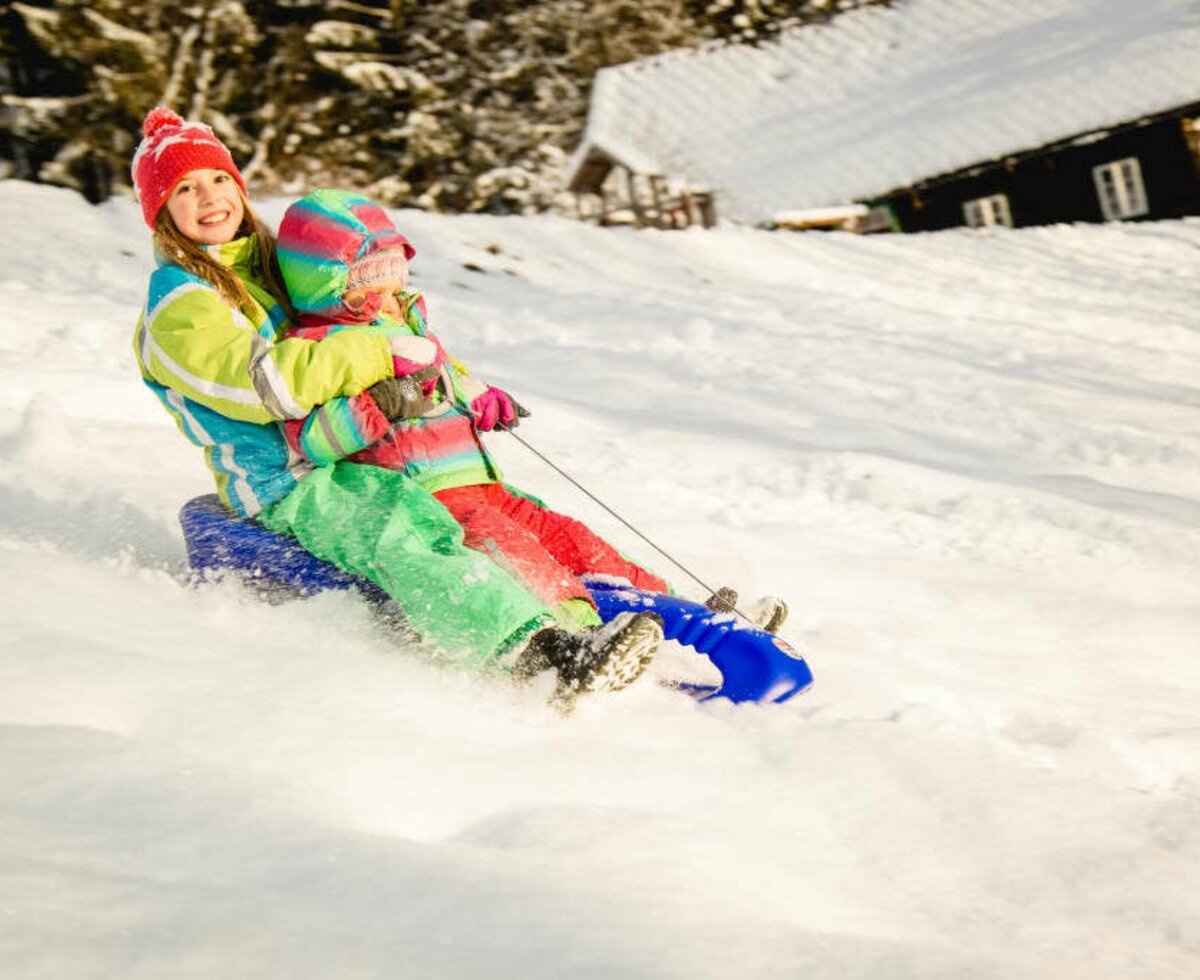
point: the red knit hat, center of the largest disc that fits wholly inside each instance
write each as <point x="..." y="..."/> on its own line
<point x="171" y="148"/>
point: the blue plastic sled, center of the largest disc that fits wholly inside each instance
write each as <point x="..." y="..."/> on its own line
<point x="754" y="665"/>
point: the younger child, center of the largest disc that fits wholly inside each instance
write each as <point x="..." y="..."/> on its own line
<point x="346" y="267"/>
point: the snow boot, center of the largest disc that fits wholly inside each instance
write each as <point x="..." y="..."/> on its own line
<point x="724" y="600"/>
<point x="768" y="614"/>
<point x="604" y="658"/>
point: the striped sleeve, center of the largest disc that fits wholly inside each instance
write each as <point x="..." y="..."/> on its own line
<point x="337" y="429"/>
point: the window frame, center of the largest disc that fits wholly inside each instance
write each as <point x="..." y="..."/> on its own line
<point x="987" y="212"/>
<point x="1121" y="189"/>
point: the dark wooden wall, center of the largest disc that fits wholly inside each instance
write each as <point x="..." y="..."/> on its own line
<point x="1057" y="184"/>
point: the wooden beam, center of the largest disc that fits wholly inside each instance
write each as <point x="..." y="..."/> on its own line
<point x="639" y="214"/>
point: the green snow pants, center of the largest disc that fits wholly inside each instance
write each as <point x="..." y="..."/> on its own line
<point x="379" y="524"/>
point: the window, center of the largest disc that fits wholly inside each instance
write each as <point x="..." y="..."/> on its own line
<point x="1120" y="188"/>
<point x="985" y="211"/>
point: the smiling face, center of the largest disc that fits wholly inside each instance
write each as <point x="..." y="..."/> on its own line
<point x="207" y="206"/>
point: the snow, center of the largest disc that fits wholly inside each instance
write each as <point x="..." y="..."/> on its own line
<point x="971" y="462"/>
<point x="883" y="97"/>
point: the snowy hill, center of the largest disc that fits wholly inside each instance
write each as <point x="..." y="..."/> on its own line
<point x="971" y="461"/>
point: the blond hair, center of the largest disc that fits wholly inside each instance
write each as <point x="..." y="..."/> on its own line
<point x="176" y="247"/>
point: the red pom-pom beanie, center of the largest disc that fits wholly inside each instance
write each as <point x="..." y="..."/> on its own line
<point x="171" y="148"/>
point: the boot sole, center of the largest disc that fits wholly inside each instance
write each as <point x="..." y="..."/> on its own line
<point x="630" y="652"/>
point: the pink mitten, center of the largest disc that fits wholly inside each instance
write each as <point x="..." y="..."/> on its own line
<point x="495" y="408"/>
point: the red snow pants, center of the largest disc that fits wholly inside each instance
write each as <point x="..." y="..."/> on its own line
<point x="545" y="550"/>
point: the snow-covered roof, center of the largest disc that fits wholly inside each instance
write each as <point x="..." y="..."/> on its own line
<point x="884" y="97"/>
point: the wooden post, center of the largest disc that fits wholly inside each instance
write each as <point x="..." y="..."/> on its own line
<point x="639" y="217"/>
<point x="688" y="209"/>
<point x="661" y="219"/>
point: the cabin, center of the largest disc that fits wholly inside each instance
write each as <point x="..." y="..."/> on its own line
<point x="921" y="115"/>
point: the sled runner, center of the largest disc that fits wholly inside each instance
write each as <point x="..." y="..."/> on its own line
<point x="754" y="665"/>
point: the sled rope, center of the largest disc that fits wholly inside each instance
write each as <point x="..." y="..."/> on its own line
<point x="587" y="493"/>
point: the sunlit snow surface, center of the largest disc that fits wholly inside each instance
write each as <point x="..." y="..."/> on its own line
<point x="970" y="461"/>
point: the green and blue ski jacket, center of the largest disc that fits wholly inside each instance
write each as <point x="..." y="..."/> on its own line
<point x="229" y="380"/>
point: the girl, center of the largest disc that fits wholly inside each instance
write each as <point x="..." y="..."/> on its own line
<point x="208" y="346"/>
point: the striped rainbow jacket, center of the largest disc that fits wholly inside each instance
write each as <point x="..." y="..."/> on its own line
<point x="437" y="450"/>
<point x="320" y="236"/>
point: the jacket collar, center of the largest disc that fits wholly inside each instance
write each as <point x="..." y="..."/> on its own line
<point x="238" y="252"/>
